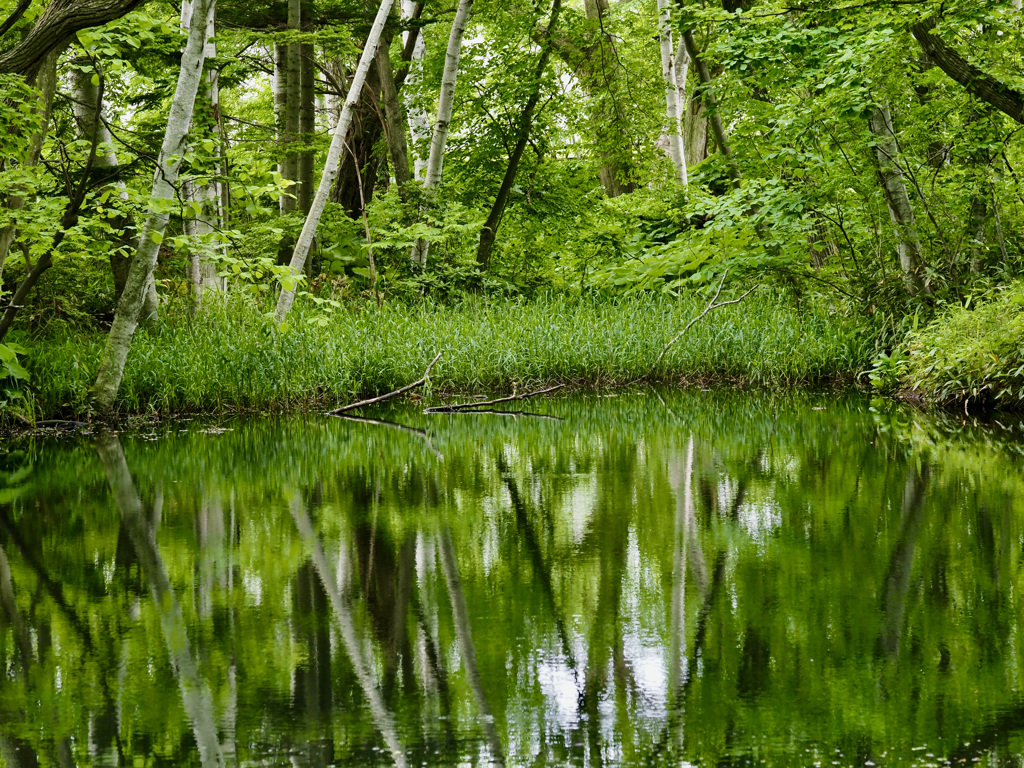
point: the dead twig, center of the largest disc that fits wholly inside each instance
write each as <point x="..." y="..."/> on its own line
<point x="513" y="414"/>
<point x="455" y="408"/>
<point x="374" y="400"/>
<point x="710" y="307"/>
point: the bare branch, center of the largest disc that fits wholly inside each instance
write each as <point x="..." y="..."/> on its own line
<point x="374" y="400"/>
<point x="709" y="308"/>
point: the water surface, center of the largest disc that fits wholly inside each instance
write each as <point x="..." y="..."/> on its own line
<point x="697" y="578"/>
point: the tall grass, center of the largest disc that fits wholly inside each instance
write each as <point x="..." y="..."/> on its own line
<point x="232" y="356"/>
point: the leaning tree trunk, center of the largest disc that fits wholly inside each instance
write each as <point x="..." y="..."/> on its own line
<point x="900" y="211"/>
<point x="717" y="128"/>
<point x="490" y="229"/>
<point x="435" y="161"/>
<point x="126" y="318"/>
<point x="676" y="150"/>
<point x="298" y="261"/>
<point x="203" y="269"/>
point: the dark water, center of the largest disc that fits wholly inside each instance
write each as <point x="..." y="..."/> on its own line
<point x="696" y="579"/>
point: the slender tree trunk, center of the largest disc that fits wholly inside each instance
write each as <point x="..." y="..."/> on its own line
<point x="307" y="122"/>
<point x="490" y="230"/>
<point x="203" y="268"/>
<point x="302" y="247"/>
<point x="419" y="120"/>
<point x="290" y="135"/>
<point x="435" y="161"/>
<point x="900" y="211"/>
<point x="717" y="128"/>
<point x="676" y="150"/>
<point x="280" y="88"/>
<point x="168" y="164"/>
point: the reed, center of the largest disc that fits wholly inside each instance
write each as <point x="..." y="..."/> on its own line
<point x="232" y="356"/>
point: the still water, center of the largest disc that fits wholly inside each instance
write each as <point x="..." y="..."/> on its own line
<point x="645" y="579"/>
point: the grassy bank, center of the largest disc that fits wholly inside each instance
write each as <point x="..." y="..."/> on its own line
<point x="233" y="357"/>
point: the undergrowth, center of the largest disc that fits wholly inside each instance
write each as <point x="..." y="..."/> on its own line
<point x="232" y="356"/>
<point x="971" y="353"/>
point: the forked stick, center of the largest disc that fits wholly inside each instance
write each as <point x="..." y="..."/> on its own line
<point x="374" y="400"/>
<point x="711" y="306"/>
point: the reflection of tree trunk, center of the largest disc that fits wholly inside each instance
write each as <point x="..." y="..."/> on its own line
<point x="353" y="643"/>
<point x="465" y="635"/>
<point x="195" y="694"/>
<point x="10" y="606"/>
<point x="683" y="531"/>
<point x="312" y="690"/>
<point x="897" y="579"/>
<point x="541" y="570"/>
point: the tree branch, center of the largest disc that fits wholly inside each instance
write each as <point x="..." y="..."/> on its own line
<point x="374" y="400"/>
<point x="978" y="83"/>
<point x="470" y="406"/>
<point x="709" y="308"/>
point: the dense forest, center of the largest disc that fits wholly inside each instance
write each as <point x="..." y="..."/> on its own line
<point x="313" y="186"/>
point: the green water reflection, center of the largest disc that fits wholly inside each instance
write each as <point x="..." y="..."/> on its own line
<point x="650" y="579"/>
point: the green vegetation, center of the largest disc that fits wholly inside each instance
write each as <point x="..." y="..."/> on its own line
<point x="233" y="356"/>
<point x="860" y="157"/>
<point x="971" y="353"/>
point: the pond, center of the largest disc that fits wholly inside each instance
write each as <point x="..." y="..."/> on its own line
<point x="662" y="578"/>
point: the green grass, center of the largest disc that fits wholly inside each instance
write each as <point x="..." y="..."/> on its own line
<point x="972" y="354"/>
<point x="231" y="356"/>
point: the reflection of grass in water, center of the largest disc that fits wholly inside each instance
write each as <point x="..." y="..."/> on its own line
<point x="231" y="356"/>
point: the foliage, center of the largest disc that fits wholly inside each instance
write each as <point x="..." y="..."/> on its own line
<point x="972" y="353"/>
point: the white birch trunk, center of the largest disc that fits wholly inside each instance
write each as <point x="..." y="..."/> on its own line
<point x="203" y="269"/>
<point x="419" y="120"/>
<point x="435" y="161"/>
<point x="162" y="200"/>
<point x="908" y="242"/>
<point x="668" y="72"/>
<point x="305" y="241"/>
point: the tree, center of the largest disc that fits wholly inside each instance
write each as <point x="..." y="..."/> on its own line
<point x="126" y="318"/>
<point x="305" y="241"/>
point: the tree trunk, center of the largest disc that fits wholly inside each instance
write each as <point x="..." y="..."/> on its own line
<point x="203" y="269"/>
<point x="708" y="98"/>
<point x="85" y="109"/>
<point x="435" y="161"/>
<point x="394" y="122"/>
<point x="163" y="195"/>
<point x="609" y="121"/>
<point x="419" y="120"/>
<point x="307" y="122"/>
<point x="290" y="133"/>
<point x="898" y="202"/>
<point x="676" y="150"/>
<point x="305" y="241"/>
<point x="490" y="230"/>
<point x="280" y="88"/>
<point x="359" y="168"/>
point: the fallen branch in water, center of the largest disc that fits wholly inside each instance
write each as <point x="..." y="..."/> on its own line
<point x="455" y="408"/>
<point x="710" y="307"/>
<point x="374" y="400"/>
